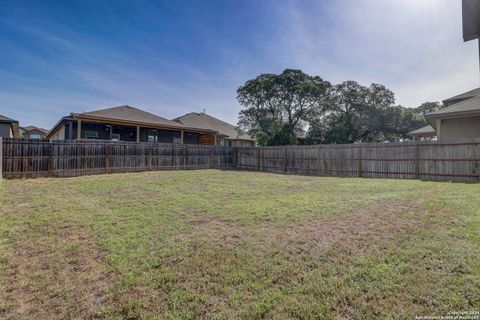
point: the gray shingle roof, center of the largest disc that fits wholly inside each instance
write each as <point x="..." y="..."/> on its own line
<point x="463" y="96"/>
<point x="205" y="121"/>
<point x="6" y="119"/>
<point x="30" y="128"/>
<point x="423" y="130"/>
<point x="464" y="106"/>
<point x="132" y="114"/>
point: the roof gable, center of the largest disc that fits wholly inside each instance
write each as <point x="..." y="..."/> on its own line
<point x="423" y="130"/>
<point x="461" y="97"/>
<point x="6" y="119"/>
<point x="34" y="128"/>
<point x="205" y="121"/>
<point x="463" y="107"/>
<point x="131" y="114"/>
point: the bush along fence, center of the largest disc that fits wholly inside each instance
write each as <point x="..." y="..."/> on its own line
<point x="454" y="160"/>
<point x="25" y="158"/>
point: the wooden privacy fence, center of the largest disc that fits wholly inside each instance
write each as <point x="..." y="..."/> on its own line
<point x="458" y="160"/>
<point x="25" y="158"/>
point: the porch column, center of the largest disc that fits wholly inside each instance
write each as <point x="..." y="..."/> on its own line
<point x="214" y="139"/>
<point x="70" y="130"/>
<point x="181" y="137"/>
<point x="138" y="134"/>
<point x="79" y="129"/>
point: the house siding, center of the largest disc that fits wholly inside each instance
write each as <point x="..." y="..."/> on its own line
<point x="6" y="130"/>
<point x="60" y="135"/>
<point x="459" y="128"/>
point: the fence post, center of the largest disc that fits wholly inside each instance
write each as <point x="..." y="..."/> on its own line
<point x="235" y="157"/>
<point x="149" y="160"/>
<point x="211" y="157"/>
<point x="360" y="161"/>
<point x="1" y="158"/>
<point x="50" y="159"/>
<point x="417" y="165"/>
<point x="185" y="158"/>
<point x="285" y="159"/>
<point x="318" y="160"/>
<point x="107" y="160"/>
<point x="258" y="159"/>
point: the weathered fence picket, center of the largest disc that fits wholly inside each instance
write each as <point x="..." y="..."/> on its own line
<point x="437" y="160"/>
<point x="25" y="158"/>
<point x="453" y="160"/>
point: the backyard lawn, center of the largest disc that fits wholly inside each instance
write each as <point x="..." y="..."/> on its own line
<point x="214" y="244"/>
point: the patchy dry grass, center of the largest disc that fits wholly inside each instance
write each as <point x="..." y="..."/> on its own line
<point x="222" y="245"/>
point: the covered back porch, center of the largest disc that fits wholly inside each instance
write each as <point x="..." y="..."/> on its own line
<point x="88" y="129"/>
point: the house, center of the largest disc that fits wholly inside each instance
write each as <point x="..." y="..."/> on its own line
<point x="127" y="123"/>
<point x="301" y="137"/>
<point x="228" y="135"/>
<point x="32" y="132"/>
<point x="424" y="133"/>
<point x="8" y="127"/>
<point x="470" y="20"/>
<point x="459" y="119"/>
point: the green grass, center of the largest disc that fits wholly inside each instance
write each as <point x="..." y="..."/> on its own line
<point x="223" y="244"/>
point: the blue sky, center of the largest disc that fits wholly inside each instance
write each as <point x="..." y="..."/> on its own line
<point x="174" y="57"/>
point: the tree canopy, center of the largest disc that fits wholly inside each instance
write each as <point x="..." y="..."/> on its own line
<point x="363" y="114"/>
<point x="277" y="107"/>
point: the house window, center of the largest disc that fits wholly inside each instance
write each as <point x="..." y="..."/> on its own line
<point x="115" y="137"/>
<point x="91" y="134"/>
<point x="152" y="136"/>
<point x="35" y="136"/>
<point x="229" y="143"/>
<point x="177" y="137"/>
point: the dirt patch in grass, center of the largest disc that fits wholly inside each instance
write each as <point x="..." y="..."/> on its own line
<point x="356" y="231"/>
<point x="368" y="228"/>
<point x="54" y="274"/>
<point x="284" y="255"/>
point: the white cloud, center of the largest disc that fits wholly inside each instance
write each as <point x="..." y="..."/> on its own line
<point x="412" y="46"/>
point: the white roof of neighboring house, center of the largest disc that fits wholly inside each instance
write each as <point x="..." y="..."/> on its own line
<point x="423" y="131"/>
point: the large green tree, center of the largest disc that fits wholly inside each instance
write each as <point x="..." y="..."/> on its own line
<point x="277" y="106"/>
<point x="428" y="107"/>
<point x="366" y="114"/>
<point x="356" y="113"/>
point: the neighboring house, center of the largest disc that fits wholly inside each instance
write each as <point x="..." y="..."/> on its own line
<point x="8" y="127"/>
<point x="301" y="137"/>
<point x="32" y="132"/>
<point x="470" y="20"/>
<point x="228" y="135"/>
<point x="126" y="123"/>
<point x="424" y="133"/>
<point x="459" y="119"/>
